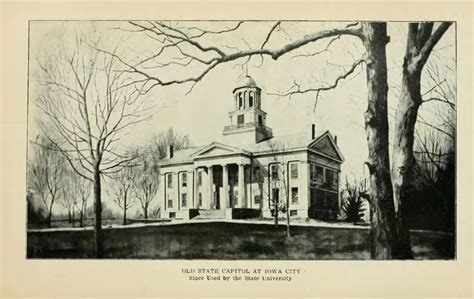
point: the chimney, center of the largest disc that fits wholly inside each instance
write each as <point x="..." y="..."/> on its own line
<point x="313" y="131"/>
<point x="335" y="139"/>
<point x="170" y="151"/>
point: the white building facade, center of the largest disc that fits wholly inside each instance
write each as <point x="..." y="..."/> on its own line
<point x="253" y="173"/>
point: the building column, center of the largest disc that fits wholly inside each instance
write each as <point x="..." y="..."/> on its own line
<point x="242" y="198"/>
<point x="225" y="202"/>
<point x="210" y="201"/>
<point x="175" y="196"/>
<point x="196" y="189"/>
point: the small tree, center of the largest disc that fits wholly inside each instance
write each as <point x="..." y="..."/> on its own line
<point x="353" y="196"/>
<point x="145" y="184"/>
<point x="279" y="199"/>
<point x="81" y="190"/>
<point x="122" y="193"/>
<point x="46" y="175"/>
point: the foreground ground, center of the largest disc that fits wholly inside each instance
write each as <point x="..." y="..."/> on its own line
<point x="224" y="240"/>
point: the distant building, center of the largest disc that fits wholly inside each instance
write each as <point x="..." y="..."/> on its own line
<point x="246" y="174"/>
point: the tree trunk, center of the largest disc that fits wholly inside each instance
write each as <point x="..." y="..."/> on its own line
<point x="69" y="216"/>
<point x="402" y="156"/>
<point x="73" y="216"/>
<point x="145" y="212"/>
<point x="288" y="217"/>
<point x="124" y="222"/>
<point x="98" y="237"/>
<point x="81" y="219"/>
<point x="50" y="214"/>
<point x="383" y="226"/>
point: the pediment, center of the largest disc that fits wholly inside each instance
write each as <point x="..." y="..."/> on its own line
<point x="325" y="145"/>
<point x="217" y="149"/>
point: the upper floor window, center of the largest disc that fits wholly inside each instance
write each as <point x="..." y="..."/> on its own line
<point x="294" y="170"/>
<point x="199" y="178"/>
<point x="319" y="174"/>
<point x="241" y="101"/>
<point x="260" y="120"/>
<point x="256" y="173"/>
<point x="274" y="171"/>
<point x="184" y="179"/>
<point x="251" y="100"/>
<point x="169" y="179"/>
<point x="240" y="119"/>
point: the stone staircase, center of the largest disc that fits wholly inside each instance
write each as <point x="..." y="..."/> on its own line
<point x="210" y="214"/>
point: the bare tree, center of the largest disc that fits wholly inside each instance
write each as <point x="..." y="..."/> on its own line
<point x="160" y="143"/>
<point x="89" y="103"/>
<point x="387" y="227"/>
<point x="279" y="193"/>
<point x="146" y="182"/>
<point x="80" y="190"/>
<point x="46" y="174"/>
<point x="123" y="191"/>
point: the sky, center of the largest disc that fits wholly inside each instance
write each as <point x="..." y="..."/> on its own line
<point x="203" y="113"/>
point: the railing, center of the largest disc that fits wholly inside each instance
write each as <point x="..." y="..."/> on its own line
<point x="247" y="125"/>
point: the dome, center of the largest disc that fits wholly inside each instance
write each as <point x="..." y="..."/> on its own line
<point x="246" y="81"/>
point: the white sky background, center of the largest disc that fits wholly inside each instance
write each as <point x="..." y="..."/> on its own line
<point x="203" y="113"/>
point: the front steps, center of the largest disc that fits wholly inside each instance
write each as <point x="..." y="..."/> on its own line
<point x="210" y="214"/>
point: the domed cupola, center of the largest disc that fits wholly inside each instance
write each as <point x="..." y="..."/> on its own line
<point x="247" y="116"/>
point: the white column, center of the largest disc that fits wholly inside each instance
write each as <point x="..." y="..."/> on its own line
<point x="196" y="189"/>
<point x="225" y="202"/>
<point x="210" y="201"/>
<point x="242" y="198"/>
<point x="175" y="196"/>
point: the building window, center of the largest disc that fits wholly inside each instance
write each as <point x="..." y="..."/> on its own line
<point x="184" y="179"/>
<point x="170" y="202"/>
<point x="260" y="120"/>
<point x="251" y="100"/>
<point x="319" y="174"/>
<point x="169" y="179"/>
<point x="200" y="178"/>
<point x="240" y="101"/>
<point x="200" y="199"/>
<point x="258" y="199"/>
<point x="240" y="119"/>
<point x="294" y="194"/>
<point x="293" y="213"/>
<point x="294" y="170"/>
<point x="274" y="171"/>
<point x="184" y="202"/>
<point x="275" y="195"/>
<point x="172" y="214"/>
<point x="256" y="173"/>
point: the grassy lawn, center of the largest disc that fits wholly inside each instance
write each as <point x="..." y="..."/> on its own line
<point x="228" y="241"/>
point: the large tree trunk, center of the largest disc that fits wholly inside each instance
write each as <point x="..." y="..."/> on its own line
<point x="420" y="42"/>
<point x="402" y="156"/>
<point x="98" y="237"/>
<point x="145" y="212"/>
<point x="383" y="226"/>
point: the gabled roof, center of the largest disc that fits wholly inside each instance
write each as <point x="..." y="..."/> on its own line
<point x="323" y="144"/>
<point x="326" y="145"/>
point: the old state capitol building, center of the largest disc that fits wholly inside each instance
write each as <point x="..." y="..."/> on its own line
<point x="251" y="171"/>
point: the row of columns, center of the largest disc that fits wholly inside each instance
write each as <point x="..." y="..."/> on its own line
<point x="246" y="99"/>
<point x="225" y="201"/>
